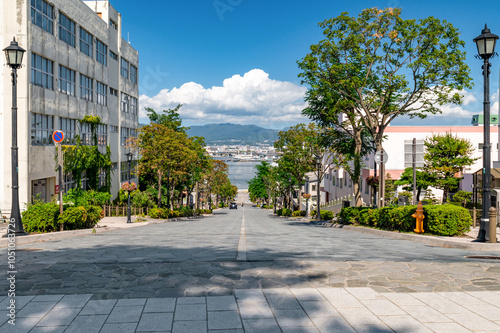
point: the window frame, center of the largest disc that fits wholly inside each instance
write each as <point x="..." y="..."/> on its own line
<point x="67" y="33"/>
<point x="63" y="79"/>
<point x="40" y="16"/>
<point x="40" y="75"/>
<point x="42" y="127"/>
<point x="101" y="93"/>
<point x="89" y="91"/>
<point x="124" y="72"/>
<point x="87" y="40"/>
<point x="101" y="52"/>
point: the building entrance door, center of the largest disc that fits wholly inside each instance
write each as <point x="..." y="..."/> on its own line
<point x="39" y="189"/>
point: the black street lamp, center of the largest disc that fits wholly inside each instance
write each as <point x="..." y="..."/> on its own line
<point x="14" y="55"/>
<point x="290" y="198"/>
<point x="307" y="197"/>
<point x="129" y="160"/>
<point x="318" y="201"/>
<point x="485" y="43"/>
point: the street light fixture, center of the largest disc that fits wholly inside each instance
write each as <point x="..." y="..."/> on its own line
<point x="318" y="165"/>
<point x="129" y="160"/>
<point x="485" y="43"/>
<point x="14" y="55"/>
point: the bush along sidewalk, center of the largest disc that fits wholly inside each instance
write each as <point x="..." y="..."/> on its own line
<point x="441" y="220"/>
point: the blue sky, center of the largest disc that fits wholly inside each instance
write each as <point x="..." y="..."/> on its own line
<point x="235" y="60"/>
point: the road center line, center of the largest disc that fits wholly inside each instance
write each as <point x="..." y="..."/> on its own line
<point x="242" y="243"/>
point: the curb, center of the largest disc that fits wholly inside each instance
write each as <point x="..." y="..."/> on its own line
<point x="440" y="241"/>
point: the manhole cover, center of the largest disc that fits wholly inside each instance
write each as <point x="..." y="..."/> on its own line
<point x="483" y="257"/>
<point x="28" y="250"/>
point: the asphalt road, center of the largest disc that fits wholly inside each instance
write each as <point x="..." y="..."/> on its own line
<point x="241" y="249"/>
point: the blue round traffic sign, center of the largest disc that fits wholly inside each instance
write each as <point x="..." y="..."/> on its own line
<point x="58" y="136"/>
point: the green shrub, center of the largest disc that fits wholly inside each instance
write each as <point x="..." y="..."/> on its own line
<point x="87" y="198"/>
<point x="74" y="217"/>
<point x="156" y="213"/>
<point x="351" y="215"/>
<point x="447" y="220"/>
<point x="185" y="211"/>
<point x="94" y="215"/>
<point x="325" y="214"/>
<point x="298" y="213"/>
<point x="203" y="211"/>
<point x="284" y="212"/>
<point x="42" y="217"/>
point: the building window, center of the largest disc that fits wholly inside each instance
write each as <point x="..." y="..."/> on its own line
<point x="86" y="134"/>
<point x="86" y="42"/>
<point x="42" y="15"/>
<point x="133" y="74"/>
<point x="102" y="135"/>
<point x="124" y="68"/>
<point x="313" y="188"/>
<point x="86" y="87"/>
<point x="124" y="104"/>
<point x="66" y="29"/>
<point x="102" y="93"/>
<point x="101" y="51"/>
<point x="124" y="172"/>
<point x="102" y="178"/>
<point x="113" y="129"/>
<point x="67" y="80"/>
<point x="133" y="132"/>
<point x="133" y="105"/>
<point x="69" y="183"/>
<point x="42" y="71"/>
<point x="113" y="55"/>
<point x="42" y="127"/>
<point x="68" y="126"/>
<point x="113" y="24"/>
<point x="113" y="91"/>
<point x="124" y="134"/>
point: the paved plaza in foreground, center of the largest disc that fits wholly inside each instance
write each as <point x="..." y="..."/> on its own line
<point x="246" y="271"/>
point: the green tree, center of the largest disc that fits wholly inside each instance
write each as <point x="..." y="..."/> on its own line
<point x="374" y="68"/>
<point x="258" y="186"/>
<point x="164" y="152"/>
<point x="446" y="158"/>
<point x="170" y="118"/>
<point x="424" y="180"/>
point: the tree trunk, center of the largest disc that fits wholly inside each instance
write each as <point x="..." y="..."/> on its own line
<point x="159" y="190"/>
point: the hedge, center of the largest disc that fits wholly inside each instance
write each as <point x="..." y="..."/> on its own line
<point x="298" y="213"/>
<point x="284" y="212"/>
<point x="165" y="213"/>
<point x="45" y="217"/>
<point x="442" y="220"/>
<point x="325" y="214"/>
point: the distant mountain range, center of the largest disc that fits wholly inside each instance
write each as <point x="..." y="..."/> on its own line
<point x="234" y="134"/>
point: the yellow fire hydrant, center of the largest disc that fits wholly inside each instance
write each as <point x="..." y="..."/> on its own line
<point x="419" y="215"/>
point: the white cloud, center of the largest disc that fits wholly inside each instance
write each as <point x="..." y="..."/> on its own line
<point x="253" y="98"/>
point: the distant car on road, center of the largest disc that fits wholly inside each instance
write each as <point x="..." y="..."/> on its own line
<point x="233" y="205"/>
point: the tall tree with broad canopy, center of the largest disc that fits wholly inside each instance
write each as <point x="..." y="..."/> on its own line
<point x="446" y="158"/>
<point x="374" y="68"/>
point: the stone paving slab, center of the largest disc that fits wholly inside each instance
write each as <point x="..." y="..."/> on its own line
<point x="321" y="310"/>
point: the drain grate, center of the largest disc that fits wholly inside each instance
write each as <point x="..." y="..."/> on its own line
<point x="483" y="257"/>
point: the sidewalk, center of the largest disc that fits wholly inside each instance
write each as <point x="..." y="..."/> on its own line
<point x="325" y="310"/>
<point x="106" y="224"/>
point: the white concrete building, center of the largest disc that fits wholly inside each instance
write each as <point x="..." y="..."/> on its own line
<point x="76" y="64"/>
<point x="338" y="185"/>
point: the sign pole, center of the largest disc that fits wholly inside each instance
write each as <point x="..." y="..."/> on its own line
<point x="414" y="164"/>
<point x="382" y="179"/>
